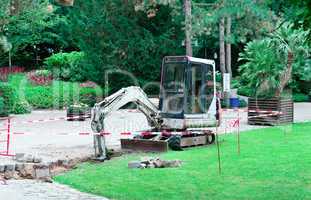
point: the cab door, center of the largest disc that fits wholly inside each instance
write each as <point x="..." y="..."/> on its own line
<point x="195" y="89"/>
<point x="172" y="91"/>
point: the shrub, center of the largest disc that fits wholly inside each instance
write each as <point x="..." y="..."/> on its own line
<point x="8" y="94"/>
<point x="88" y="84"/>
<point x="40" y="97"/>
<point x="79" y="108"/>
<point x="245" y="91"/>
<point x="299" y="97"/>
<point x="58" y="95"/>
<point x="40" y="77"/>
<point x="89" y="96"/>
<point x="243" y="103"/>
<point x="21" y="107"/>
<point x="66" y="66"/>
<point x="271" y="62"/>
<point x="3" y="111"/>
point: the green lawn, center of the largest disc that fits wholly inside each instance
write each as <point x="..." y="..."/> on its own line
<point x="273" y="164"/>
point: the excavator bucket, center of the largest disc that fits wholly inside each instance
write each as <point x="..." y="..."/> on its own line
<point x="145" y="145"/>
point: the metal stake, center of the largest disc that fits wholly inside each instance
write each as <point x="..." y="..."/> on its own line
<point x="218" y="151"/>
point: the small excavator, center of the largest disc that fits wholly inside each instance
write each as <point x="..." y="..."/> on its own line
<point x="188" y="105"/>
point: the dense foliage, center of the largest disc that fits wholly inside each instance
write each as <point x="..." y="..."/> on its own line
<point x="8" y="93"/>
<point x="116" y="43"/>
<point x="120" y="38"/>
<point x="273" y="62"/>
<point x="57" y="95"/>
<point x="32" y="28"/>
<point x="67" y="66"/>
<point x="40" y="77"/>
<point x="3" y="110"/>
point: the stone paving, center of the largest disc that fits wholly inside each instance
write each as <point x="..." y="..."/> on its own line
<point x="35" y="190"/>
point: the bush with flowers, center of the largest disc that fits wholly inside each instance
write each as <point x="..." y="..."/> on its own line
<point x="40" y="77"/>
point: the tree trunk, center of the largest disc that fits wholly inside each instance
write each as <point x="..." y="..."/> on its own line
<point x="228" y="46"/>
<point x="66" y="2"/>
<point x="14" y="7"/>
<point x="222" y="56"/>
<point x="286" y="75"/>
<point x="188" y="28"/>
<point x="222" y="45"/>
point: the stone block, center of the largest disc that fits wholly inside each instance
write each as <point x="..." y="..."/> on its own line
<point x="42" y="173"/>
<point x="19" y="166"/>
<point x="2" y="168"/>
<point x="134" y="164"/>
<point x="28" y="171"/>
<point x="9" y="167"/>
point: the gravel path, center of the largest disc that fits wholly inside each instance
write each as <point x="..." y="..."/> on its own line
<point x="34" y="190"/>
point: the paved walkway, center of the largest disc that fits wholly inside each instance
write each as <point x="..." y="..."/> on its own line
<point x="34" y="190"/>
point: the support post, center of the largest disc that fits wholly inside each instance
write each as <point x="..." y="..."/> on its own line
<point x="8" y="137"/>
<point x="239" y="149"/>
<point x="218" y="151"/>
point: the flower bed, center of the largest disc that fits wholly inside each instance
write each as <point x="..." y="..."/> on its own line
<point x="6" y="71"/>
<point x="40" y="77"/>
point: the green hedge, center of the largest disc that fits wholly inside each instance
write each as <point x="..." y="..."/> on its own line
<point x="66" y="66"/>
<point x="8" y="94"/>
<point x="3" y="111"/>
<point x="21" y="107"/>
<point x="58" y="95"/>
<point x="299" y="97"/>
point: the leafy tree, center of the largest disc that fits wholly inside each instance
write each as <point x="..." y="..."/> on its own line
<point x="271" y="63"/>
<point x="118" y="35"/>
<point x="29" y="25"/>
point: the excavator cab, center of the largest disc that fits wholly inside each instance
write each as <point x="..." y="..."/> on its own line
<point x="187" y="93"/>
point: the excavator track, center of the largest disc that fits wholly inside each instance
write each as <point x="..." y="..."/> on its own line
<point x="163" y="141"/>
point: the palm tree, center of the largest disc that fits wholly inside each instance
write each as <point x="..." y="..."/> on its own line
<point x="290" y="42"/>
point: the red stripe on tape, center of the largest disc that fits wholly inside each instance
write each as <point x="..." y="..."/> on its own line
<point x="18" y="133"/>
<point x="126" y="133"/>
<point x="84" y="133"/>
<point x="63" y="133"/>
<point x="146" y="133"/>
<point x="104" y="133"/>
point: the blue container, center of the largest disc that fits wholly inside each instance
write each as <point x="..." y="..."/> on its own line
<point x="234" y="102"/>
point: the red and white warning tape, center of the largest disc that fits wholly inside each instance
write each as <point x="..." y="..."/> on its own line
<point x="49" y="120"/>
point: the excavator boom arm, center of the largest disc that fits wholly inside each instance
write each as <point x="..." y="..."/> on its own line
<point x="122" y="97"/>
